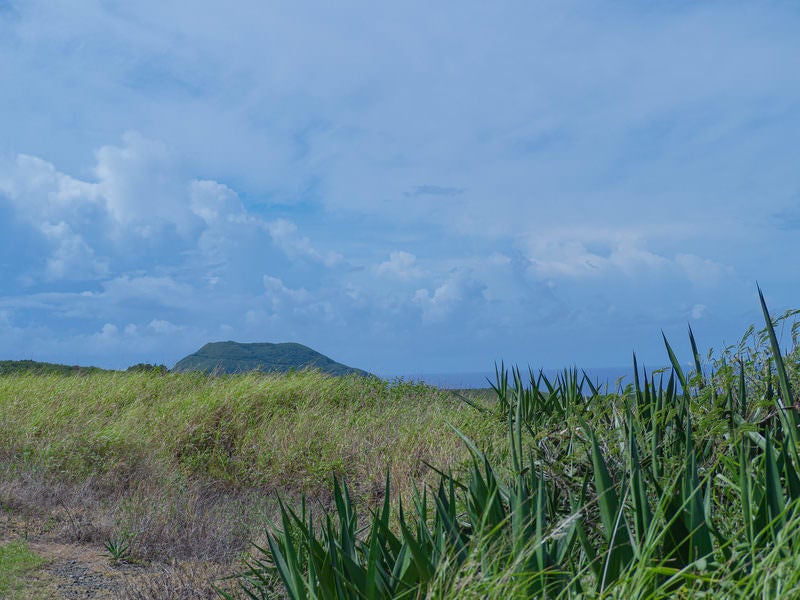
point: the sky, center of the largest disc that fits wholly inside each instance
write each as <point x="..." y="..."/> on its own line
<point x="407" y="187"/>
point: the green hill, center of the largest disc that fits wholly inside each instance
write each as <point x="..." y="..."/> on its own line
<point x="234" y="357"/>
<point x="8" y="367"/>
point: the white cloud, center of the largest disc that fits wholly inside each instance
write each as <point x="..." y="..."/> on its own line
<point x="139" y="185"/>
<point x="41" y="194"/>
<point x="298" y="307"/>
<point x="72" y="257"/>
<point x="704" y="272"/>
<point x="285" y="236"/>
<point x="280" y="295"/>
<point x="401" y="265"/>
<point x="141" y="211"/>
<point x="445" y="299"/>
<point x="161" y="290"/>
<point x="213" y="202"/>
<point x="162" y="327"/>
<point x="108" y="333"/>
<point x="698" y="310"/>
<point x="591" y="254"/>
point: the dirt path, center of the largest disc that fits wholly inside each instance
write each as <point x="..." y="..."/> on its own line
<point x="84" y="570"/>
<point x="76" y="571"/>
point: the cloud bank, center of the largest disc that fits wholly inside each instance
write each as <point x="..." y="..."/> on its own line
<point x="406" y="188"/>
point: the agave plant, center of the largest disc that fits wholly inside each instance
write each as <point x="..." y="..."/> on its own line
<point x="650" y="501"/>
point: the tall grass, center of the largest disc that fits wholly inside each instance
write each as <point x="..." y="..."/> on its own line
<point x="184" y="465"/>
<point x="686" y="484"/>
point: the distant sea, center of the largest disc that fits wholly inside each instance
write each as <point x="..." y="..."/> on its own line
<point x="481" y="379"/>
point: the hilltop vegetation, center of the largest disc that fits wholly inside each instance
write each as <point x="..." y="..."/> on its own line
<point x="235" y="357"/>
<point x="8" y="367"/>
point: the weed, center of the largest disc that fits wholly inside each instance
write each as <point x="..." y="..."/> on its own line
<point x="118" y="548"/>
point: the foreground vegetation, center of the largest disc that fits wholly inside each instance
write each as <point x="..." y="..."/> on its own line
<point x="684" y="483"/>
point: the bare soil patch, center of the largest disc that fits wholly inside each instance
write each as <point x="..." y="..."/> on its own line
<point x="85" y="569"/>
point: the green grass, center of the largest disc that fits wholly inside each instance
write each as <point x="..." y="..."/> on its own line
<point x="16" y="559"/>
<point x="292" y="431"/>
<point x="188" y="465"/>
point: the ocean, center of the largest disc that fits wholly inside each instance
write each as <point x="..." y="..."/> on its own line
<point x="600" y="376"/>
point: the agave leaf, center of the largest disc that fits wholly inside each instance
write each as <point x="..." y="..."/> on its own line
<point x="376" y="585"/>
<point x="774" y="490"/>
<point x="698" y="367"/>
<point x="676" y="366"/>
<point x="700" y="539"/>
<point x="788" y="413"/>
<point x="790" y="474"/>
<point x="284" y="557"/>
<point x="637" y="388"/>
<point x="347" y="518"/>
<point x="400" y="570"/>
<point x="521" y="516"/>
<point x="543" y="557"/>
<point x="500" y="386"/>
<point x="677" y="538"/>
<point x="470" y="444"/>
<point x="620" y="551"/>
<point x="420" y="558"/>
<point x="745" y="492"/>
<point x="742" y="392"/>
<point x="730" y="410"/>
<point x="353" y="574"/>
<point x="445" y="512"/>
<point x="641" y="506"/>
<point x="783" y="379"/>
<point x="593" y="388"/>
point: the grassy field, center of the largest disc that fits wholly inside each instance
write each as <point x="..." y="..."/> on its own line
<point x="684" y="484"/>
<point x="186" y="467"/>
<point x="15" y="559"/>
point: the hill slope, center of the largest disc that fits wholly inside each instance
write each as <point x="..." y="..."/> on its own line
<point x="235" y="357"/>
<point x="8" y="367"/>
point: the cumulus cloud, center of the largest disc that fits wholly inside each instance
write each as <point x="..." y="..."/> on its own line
<point x="297" y="305"/>
<point x="163" y="327"/>
<point x="281" y="295"/>
<point x="452" y="294"/>
<point x="592" y="254"/>
<point x="261" y="141"/>
<point x="698" y="310"/>
<point x="41" y="194"/>
<point x="608" y="255"/>
<point x="214" y="202"/>
<point x="285" y="235"/>
<point x="401" y="265"/>
<point x="704" y="272"/>
<point x="72" y="257"/>
<point x="140" y="209"/>
<point x="163" y="290"/>
<point x="138" y="183"/>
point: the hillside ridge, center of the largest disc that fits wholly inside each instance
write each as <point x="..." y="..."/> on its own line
<point x="238" y="357"/>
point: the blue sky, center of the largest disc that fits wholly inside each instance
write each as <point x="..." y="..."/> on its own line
<point x="406" y="187"/>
